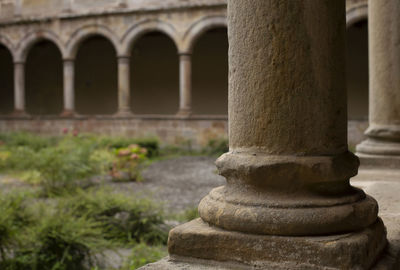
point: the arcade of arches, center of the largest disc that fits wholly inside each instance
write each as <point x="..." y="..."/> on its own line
<point x="154" y="77"/>
<point x="138" y="73"/>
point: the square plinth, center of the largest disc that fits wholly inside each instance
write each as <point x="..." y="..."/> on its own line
<point x="200" y="241"/>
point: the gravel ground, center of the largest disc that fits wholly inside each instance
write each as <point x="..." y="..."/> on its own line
<point x="178" y="183"/>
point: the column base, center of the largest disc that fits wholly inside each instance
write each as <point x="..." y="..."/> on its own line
<point x="68" y="113"/>
<point x="197" y="245"/>
<point x="123" y="113"/>
<point x="379" y="153"/>
<point x="184" y="113"/>
<point x="19" y="114"/>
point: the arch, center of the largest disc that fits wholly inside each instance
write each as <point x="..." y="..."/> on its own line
<point x="200" y="27"/>
<point x="6" y="80"/>
<point x="144" y="27"/>
<point x="86" y="32"/>
<point x="96" y="77"/>
<point x="356" y="13"/>
<point x="154" y="75"/>
<point x="44" y="85"/>
<point x="32" y="38"/>
<point x="210" y="73"/>
<point x="8" y="45"/>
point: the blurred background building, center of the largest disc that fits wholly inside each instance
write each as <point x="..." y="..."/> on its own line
<point x="135" y="67"/>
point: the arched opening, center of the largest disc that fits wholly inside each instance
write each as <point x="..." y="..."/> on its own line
<point x="44" y="79"/>
<point x="6" y="81"/>
<point x="210" y="73"/>
<point x="357" y="71"/>
<point x="96" y="77"/>
<point x="154" y="75"/>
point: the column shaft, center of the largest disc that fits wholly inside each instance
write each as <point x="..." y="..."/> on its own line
<point x="124" y="86"/>
<point x="383" y="144"/>
<point x="19" y="87"/>
<point x="69" y="87"/>
<point x="185" y="83"/>
<point x="288" y="166"/>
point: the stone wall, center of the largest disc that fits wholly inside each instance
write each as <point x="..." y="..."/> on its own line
<point x="169" y="130"/>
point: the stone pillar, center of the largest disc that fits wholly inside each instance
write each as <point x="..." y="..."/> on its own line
<point x="67" y="5"/>
<point x="69" y="87"/>
<point x="19" y="88"/>
<point x="17" y="8"/>
<point x="382" y="146"/>
<point x="288" y="203"/>
<point x="185" y="84"/>
<point x="124" y="108"/>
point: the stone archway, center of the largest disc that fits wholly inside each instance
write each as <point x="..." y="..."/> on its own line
<point x="154" y="75"/>
<point x="210" y="73"/>
<point x="44" y="79"/>
<point x="6" y="81"/>
<point x="96" y="77"/>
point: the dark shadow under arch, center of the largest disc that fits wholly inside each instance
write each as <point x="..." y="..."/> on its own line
<point x="6" y="81"/>
<point x="154" y="75"/>
<point x="357" y="70"/>
<point x="44" y="79"/>
<point x="96" y="77"/>
<point x="210" y="73"/>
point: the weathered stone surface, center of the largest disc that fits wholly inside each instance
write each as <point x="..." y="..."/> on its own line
<point x="287" y="201"/>
<point x="347" y="251"/>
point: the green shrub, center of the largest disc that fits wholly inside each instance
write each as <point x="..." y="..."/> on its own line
<point x="58" y="241"/>
<point x="30" y="140"/>
<point x="127" y="163"/>
<point x="19" y="158"/>
<point x="191" y="213"/>
<point x="217" y="147"/>
<point x="151" y="144"/>
<point x="143" y="254"/>
<point x="122" y="219"/>
<point x="13" y="218"/>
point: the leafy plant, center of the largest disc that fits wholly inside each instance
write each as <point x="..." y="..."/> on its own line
<point x="143" y="254"/>
<point x="128" y="160"/>
<point x="13" y="217"/>
<point x="121" y="218"/>
<point x="216" y="147"/>
<point x="34" y="142"/>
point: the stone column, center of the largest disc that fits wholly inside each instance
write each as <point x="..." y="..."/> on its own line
<point x="185" y="84"/>
<point x="124" y="108"/>
<point x="288" y="167"/>
<point x="67" y="5"/>
<point x="382" y="146"/>
<point x="69" y="87"/>
<point x="17" y="8"/>
<point x="19" y="88"/>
